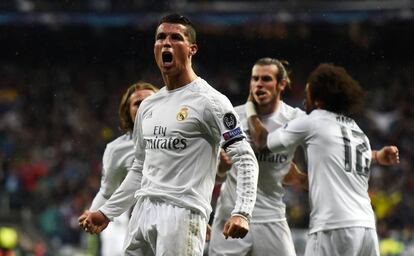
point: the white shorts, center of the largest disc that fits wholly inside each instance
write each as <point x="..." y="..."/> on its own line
<point x="160" y="228"/>
<point x="355" y="241"/>
<point x="272" y="238"/>
<point x="112" y="238"/>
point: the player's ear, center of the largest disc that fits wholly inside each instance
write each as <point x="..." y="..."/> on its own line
<point x="193" y="49"/>
<point x="282" y="84"/>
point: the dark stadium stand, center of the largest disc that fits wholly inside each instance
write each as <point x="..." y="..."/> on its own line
<point x="64" y="67"/>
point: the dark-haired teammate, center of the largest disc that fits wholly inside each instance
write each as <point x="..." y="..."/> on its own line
<point x="265" y="112"/>
<point x="342" y="221"/>
<point x="178" y="135"/>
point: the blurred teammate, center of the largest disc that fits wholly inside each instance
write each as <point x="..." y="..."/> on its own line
<point x="178" y="135"/>
<point x="117" y="159"/>
<point x="342" y="221"/>
<point x="270" y="233"/>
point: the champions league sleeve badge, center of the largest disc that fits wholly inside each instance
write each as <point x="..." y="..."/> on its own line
<point x="229" y="121"/>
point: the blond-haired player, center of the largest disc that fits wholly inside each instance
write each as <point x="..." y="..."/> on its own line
<point x="117" y="159"/>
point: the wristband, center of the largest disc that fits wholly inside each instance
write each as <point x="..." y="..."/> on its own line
<point x="250" y="109"/>
<point x="241" y="215"/>
<point x="376" y="156"/>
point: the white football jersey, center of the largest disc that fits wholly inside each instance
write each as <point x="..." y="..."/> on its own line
<point x="178" y="137"/>
<point x="339" y="158"/>
<point x="272" y="169"/>
<point x="117" y="159"/>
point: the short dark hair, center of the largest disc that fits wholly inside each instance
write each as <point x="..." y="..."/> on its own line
<point x="282" y="73"/>
<point x="180" y="19"/>
<point x="336" y="89"/>
<point x="127" y="125"/>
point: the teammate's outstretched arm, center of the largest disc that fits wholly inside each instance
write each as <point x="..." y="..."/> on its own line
<point x="388" y="155"/>
<point x="258" y="132"/>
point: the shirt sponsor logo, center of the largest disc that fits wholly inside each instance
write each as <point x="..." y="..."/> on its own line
<point x="162" y="141"/>
<point x="182" y="114"/>
<point x="230" y="121"/>
<point x="271" y="157"/>
<point x="165" y="143"/>
<point x="232" y="134"/>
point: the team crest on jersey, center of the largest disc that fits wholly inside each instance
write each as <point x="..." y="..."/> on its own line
<point x="230" y="121"/>
<point x="148" y="116"/>
<point x="182" y="114"/>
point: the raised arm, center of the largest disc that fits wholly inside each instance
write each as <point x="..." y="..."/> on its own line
<point x="388" y="155"/>
<point x="258" y="132"/>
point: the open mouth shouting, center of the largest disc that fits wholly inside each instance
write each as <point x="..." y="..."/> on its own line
<point x="167" y="59"/>
<point x="260" y="94"/>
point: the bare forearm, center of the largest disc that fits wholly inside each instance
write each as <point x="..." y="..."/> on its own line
<point x="258" y="133"/>
<point x="388" y="155"/>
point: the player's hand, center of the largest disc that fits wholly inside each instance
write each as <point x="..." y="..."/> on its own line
<point x="236" y="227"/>
<point x="208" y="233"/>
<point x="94" y="222"/>
<point x="388" y="155"/>
<point x="224" y="165"/>
<point x="82" y="218"/>
<point x="250" y="97"/>
<point x="225" y="162"/>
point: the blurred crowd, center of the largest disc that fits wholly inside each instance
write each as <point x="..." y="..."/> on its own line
<point x="59" y="97"/>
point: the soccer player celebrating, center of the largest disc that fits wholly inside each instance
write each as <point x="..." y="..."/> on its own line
<point x="178" y="135"/>
<point x="269" y="232"/>
<point x="339" y="155"/>
<point x="265" y="111"/>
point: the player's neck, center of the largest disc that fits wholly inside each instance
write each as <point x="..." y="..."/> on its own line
<point x="175" y="81"/>
<point x="268" y="108"/>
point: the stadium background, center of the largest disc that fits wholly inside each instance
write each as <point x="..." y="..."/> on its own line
<point x="64" y="65"/>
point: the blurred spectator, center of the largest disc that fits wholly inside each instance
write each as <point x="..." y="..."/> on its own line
<point x="58" y="98"/>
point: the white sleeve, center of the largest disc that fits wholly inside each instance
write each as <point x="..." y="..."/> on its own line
<point x="291" y="135"/>
<point x="98" y="201"/>
<point x="225" y="126"/>
<point x="245" y="162"/>
<point x="103" y="193"/>
<point x="113" y="172"/>
<point x="124" y="197"/>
